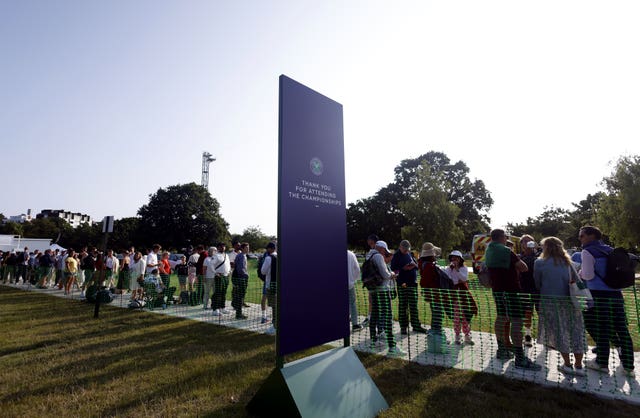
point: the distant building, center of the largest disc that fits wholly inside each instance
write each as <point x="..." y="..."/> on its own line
<point x="75" y="219"/>
<point x="22" y="218"/>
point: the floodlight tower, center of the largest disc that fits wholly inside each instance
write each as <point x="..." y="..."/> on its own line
<point x="207" y="159"/>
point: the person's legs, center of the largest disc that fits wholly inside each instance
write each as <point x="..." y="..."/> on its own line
<point x="414" y="315"/>
<point x="387" y="317"/>
<point x="437" y="315"/>
<point x="353" y="307"/>
<point x="403" y="307"/>
<point x="374" y="314"/>
<point x="208" y="285"/>
<point x="621" y="328"/>
<point x="602" y="323"/>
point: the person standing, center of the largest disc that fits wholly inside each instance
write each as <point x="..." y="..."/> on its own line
<point x="406" y="268"/>
<point x="112" y="265"/>
<point x="560" y="323"/>
<point x="23" y="266"/>
<point x="209" y="273"/>
<point x="152" y="258"/>
<point x="503" y="266"/>
<point x="269" y="270"/>
<point x="71" y="271"/>
<point x="46" y="269"/>
<point x="464" y="306"/>
<point x="182" y="271"/>
<point x="353" y="270"/>
<point x="430" y="284"/>
<point x="381" y="313"/>
<point x="137" y="268"/>
<point x="606" y="321"/>
<point x="222" y="271"/>
<point x="530" y="294"/>
<point x="164" y="267"/>
<point x="240" y="280"/>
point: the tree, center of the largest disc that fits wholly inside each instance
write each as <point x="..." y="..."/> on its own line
<point x="180" y="215"/>
<point x="430" y="214"/>
<point x="254" y="237"/>
<point x="619" y="210"/>
<point x="11" y="228"/>
<point x="552" y="221"/>
<point x="52" y="228"/>
<point x="126" y="233"/>
<point x="381" y="213"/>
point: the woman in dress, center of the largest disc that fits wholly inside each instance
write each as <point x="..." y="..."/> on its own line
<point x="561" y="326"/>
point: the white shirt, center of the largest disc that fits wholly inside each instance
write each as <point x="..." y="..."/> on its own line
<point x="232" y="256"/>
<point x="266" y="269"/>
<point x="353" y="268"/>
<point x="193" y="258"/>
<point x="152" y="261"/>
<point x="109" y="262"/>
<point x="457" y="276"/>
<point x="225" y="264"/>
<point x="209" y="265"/>
<point x="136" y="268"/>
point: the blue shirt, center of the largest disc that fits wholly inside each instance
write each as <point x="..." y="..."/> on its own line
<point x="551" y="279"/>
<point x="408" y="277"/>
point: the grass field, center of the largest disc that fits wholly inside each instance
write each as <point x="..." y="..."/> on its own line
<point x="56" y="360"/>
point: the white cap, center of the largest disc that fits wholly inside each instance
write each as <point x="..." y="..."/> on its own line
<point x="382" y="244"/>
<point x="531" y="244"/>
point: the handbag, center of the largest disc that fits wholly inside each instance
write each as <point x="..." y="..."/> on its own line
<point x="580" y="295"/>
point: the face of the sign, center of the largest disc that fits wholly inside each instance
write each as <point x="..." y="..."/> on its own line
<point x="311" y="220"/>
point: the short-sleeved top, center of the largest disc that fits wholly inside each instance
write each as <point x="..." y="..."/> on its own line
<point x="72" y="265"/>
<point x="506" y="280"/>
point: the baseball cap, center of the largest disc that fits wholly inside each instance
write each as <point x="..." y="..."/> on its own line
<point x="382" y="244"/>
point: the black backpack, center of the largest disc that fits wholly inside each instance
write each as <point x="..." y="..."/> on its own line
<point x="260" y="263"/>
<point x="371" y="278"/>
<point x="621" y="269"/>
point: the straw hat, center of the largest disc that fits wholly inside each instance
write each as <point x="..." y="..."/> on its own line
<point x="430" y="250"/>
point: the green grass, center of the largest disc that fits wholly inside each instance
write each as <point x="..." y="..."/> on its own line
<point x="58" y="361"/>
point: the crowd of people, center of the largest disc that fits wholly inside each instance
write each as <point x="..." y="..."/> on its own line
<point x="203" y="275"/>
<point x="538" y="279"/>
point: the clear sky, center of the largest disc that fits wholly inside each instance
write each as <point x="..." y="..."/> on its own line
<point x="103" y="102"/>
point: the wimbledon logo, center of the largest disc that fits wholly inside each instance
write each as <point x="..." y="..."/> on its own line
<point x="316" y="166"/>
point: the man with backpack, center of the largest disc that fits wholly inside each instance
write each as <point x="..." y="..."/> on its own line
<point x="380" y="291"/>
<point x="606" y="321"/>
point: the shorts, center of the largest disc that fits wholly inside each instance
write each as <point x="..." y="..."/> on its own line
<point x="264" y="288"/>
<point x="182" y="280"/>
<point x="509" y="304"/>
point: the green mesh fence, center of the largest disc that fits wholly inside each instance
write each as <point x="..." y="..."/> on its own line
<point x="530" y="337"/>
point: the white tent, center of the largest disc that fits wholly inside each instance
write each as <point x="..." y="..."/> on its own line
<point x="54" y="247"/>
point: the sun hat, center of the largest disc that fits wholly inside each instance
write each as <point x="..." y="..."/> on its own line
<point x="382" y="244"/>
<point x="430" y="250"/>
<point x="456" y="253"/>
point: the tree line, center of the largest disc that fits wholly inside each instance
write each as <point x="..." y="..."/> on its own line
<point x="431" y="198"/>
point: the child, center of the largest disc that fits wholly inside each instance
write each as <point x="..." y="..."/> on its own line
<point x="464" y="306"/>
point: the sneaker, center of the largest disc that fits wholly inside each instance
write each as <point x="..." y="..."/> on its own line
<point x="356" y="327"/>
<point x="271" y="331"/>
<point x="527" y="364"/>
<point x="527" y="341"/>
<point x="458" y="340"/>
<point x="468" y="340"/>
<point x="241" y="316"/>
<point x="264" y="320"/>
<point x="504" y="354"/>
<point x="593" y="365"/>
<point x="225" y="311"/>
<point x="396" y="352"/>
<point x="246" y="305"/>
<point x="564" y="369"/>
<point x="579" y="371"/>
<point x="420" y="330"/>
<point x="216" y="312"/>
